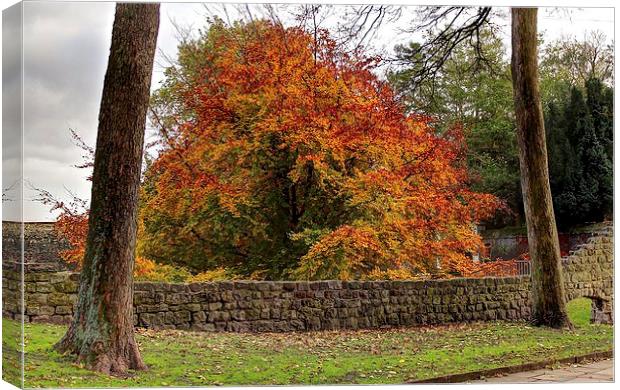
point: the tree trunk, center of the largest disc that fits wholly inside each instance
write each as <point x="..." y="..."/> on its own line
<point x="548" y="299"/>
<point x="101" y="333"/>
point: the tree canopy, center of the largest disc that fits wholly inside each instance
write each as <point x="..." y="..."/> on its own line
<point x="283" y="157"/>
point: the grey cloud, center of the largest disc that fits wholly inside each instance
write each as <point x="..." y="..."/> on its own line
<point x="66" y="47"/>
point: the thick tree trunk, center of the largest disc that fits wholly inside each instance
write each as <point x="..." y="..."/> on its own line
<point x="101" y="333"/>
<point x="549" y="307"/>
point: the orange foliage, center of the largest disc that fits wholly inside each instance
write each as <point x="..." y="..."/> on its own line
<point x="215" y="275"/>
<point x="73" y="227"/>
<point x="271" y="132"/>
<point x="495" y="268"/>
<point x="263" y="95"/>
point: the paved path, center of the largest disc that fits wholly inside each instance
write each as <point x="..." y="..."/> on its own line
<point x="600" y="371"/>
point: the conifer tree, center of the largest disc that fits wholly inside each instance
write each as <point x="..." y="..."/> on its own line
<point x="580" y="138"/>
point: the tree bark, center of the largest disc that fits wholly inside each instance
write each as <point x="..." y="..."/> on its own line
<point x="101" y="333"/>
<point x="548" y="299"/>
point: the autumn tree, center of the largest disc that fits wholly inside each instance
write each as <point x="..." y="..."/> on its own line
<point x="283" y="156"/>
<point x="101" y="332"/>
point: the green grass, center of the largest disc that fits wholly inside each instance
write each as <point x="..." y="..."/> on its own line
<point x="178" y="358"/>
<point x="11" y="352"/>
<point x="579" y="311"/>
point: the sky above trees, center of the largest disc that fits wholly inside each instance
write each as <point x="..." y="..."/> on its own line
<point x="66" y="47"/>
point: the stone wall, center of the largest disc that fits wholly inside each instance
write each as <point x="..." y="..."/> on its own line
<point x="287" y="306"/>
<point x="49" y="295"/>
<point x="323" y="305"/>
<point x="589" y="272"/>
<point x="41" y="244"/>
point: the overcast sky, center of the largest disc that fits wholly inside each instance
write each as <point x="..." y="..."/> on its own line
<point x="65" y="54"/>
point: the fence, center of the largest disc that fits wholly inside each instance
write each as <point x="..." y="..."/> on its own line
<point x="523" y="267"/>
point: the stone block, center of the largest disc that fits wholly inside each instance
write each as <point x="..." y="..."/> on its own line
<point x="64" y="310"/>
<point x="199" y="316"/>
<point x="59" y="299"/>
<point x="182" y="316"/>
<point x="203" y="327"/>
<point x="193" y="307"/>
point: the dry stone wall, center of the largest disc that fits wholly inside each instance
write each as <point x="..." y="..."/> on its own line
<point x="41" y="244"/>
<point x="589" y="272"/>
<point x="290" y="306"/>
<point x="246" y="306"/>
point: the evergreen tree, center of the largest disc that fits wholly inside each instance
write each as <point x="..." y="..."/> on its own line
<point x="562" y="165"/>
<point x="600" y="105"/>
<point x="579" y="140"/>
<point x="597" y="174"/>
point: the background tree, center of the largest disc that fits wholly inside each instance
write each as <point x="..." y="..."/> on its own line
<point x="600" y="101"/>
<point x="101" y="332"/>
<point x="564" y="169"/>
<point x="478" y="96"/>
<point x="579" y="60"/>
<point x="582" y="168"/>
<point x="468" y="87"/>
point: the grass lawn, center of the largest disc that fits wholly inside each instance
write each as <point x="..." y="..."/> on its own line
<point x="178" y="358"/>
